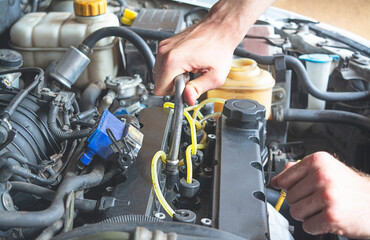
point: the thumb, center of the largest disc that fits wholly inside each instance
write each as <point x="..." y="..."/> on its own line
<point x="200" y="85"/>
<point x="275" y="180"/>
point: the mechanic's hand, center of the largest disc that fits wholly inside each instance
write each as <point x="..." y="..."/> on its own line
<point x="192" y="51"/>
<point x="327" y="196"/>
<point x="205" y="48"/>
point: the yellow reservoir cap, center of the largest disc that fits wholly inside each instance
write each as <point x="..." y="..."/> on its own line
<point x="89" y="8"/>
<point x="128" y="17"/>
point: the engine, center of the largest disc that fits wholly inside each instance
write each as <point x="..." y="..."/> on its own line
<point x="88" y="150"/>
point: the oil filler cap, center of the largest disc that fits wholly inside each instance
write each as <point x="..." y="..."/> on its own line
<point x="243" y="110"/>
<point x="10" y="59"/>
<point x="89" y="8"/>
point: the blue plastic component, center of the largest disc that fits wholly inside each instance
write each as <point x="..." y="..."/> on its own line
<point x="121" y="112"/>
<point x="99" y="142"/>
<point x="319" y="58"/>
<point x="87" y="157"/>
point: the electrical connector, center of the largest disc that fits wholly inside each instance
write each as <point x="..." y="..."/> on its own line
<point x="99" y="141"/>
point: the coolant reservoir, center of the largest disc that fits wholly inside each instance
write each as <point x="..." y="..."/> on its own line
<point x="44" y="37"/>
<point x="246" y="80"/>
<point x="319" y="67"/>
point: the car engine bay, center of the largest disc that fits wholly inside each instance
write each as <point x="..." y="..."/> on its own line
<point x="87" y="150"/>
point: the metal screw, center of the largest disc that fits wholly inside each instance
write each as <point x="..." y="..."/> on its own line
<point x="206" y="222"/>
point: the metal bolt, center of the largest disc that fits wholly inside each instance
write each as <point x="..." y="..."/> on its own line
<point x="160" y="215"/>
<point x="356" y="55"/>
<point x="279" y="95"/>
<point x="206" y="222"/>
<point x="208" y="171"/>
<point x="212" y="136"/>
<point x="7" y="201"/>
<point x="7" y="82"/>
<point x="167" y="98"/>
<point x="151" y="86"/>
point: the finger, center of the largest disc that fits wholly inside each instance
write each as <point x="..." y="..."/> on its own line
<point x="316" y="180"/>
<point x="164" y="75"/>
<point x="164" y="42"/>
<point x="302" y="188"/>
<point x="308" y="206"/>
<point x="168" y="65"/>
<point x="200" y="85"/>
<point x="290" y="176"/>
<point x="295" y="173"/>
<point x="320" y="224"/>
<point x="289" y="164"/>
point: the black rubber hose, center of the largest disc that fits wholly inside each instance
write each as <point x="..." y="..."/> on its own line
<point x="83" y="205"/>
<point x="25" y="173"/>
<point x="76" y="108"/>
<point x="56" y="210"/>
<point x="58" y="133"/>
<point x="302" y="75"/>
<point x="272" y="196"/>
<point x="291" y="62"/>
<point x="9" y="110"/>
<point x="127" y="34"/>
<point x="34" y="189"/>
<point x="16" y="156"/>
<point x="331" y="116"/>
<point x="9" y="168"/>
<point x="50" y="231"/>
<point x="159" y="36"/>
<point x="296" y="65"/>
<point x="89" y="97"/>
<point x="265" y="60"/>
<point x="110" y="175"/>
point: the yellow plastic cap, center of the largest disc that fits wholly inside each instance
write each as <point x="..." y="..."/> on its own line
<point x="128" y="17"/>
<point x="89" y="8"/>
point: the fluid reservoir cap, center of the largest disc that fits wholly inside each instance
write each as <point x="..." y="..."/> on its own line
<point x="10" y="59"/>
<point x="243" y="110"/>
<point x="319" y="58"/>
<point x="128" y="17"/>
<point x="89" y="8"/>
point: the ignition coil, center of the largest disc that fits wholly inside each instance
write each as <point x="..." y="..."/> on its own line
<point x="113" y="137"/>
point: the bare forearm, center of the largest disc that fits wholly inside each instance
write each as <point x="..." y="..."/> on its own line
<point x="234" y="17"/>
